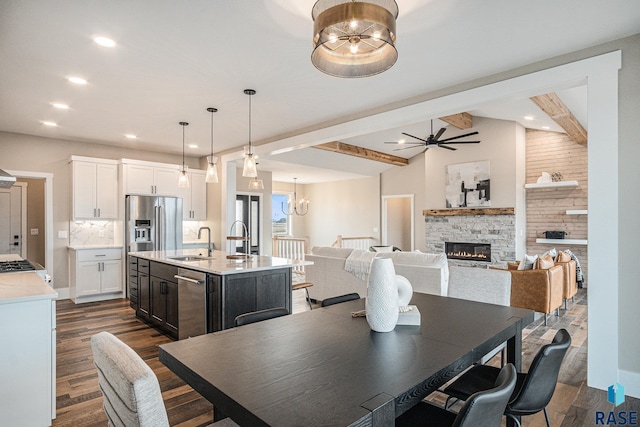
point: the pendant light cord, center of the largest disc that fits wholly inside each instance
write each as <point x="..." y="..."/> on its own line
<point x="250" y="146"/>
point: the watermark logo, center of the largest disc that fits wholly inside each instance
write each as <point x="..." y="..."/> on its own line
<point x="615" y="394"/>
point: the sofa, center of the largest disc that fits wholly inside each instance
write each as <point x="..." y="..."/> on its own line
<point x="428" y="273"/>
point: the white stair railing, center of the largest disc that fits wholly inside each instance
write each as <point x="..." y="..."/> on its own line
<point x="291" y="248"/>
<point x="363" y="243"/>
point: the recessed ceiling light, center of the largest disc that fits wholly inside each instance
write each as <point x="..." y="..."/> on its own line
<point x="77" y="80"/>
<point x="104" y="41"/>
<point x="60" y="105"/>
<point x="192" y="146"/>
<point x="401" y="141"/>
<point x="528" y="117"/>
<point x="130" y="136"/>
<point x="50" y="124"/>
<point x="546" y="127"/>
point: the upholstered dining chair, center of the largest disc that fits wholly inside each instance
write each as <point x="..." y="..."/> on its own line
<point x="484" y="408"/>
<point x="339" y="299"/>
<point x="130" y="389"/>
<point x="259" y="316"/>
<point x="534" y="389"/>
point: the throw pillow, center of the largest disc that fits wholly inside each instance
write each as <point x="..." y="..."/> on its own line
<point x="563" y="257"/>
<point x="543" y="263"/>
<point x="552" y="253"/>
<point x="381" y="248"/>
<point x="527" y="262"/>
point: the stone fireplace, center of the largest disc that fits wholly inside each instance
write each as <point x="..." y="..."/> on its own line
<point x="491" y="231"/>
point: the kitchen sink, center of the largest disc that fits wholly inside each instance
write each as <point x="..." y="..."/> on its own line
<point x="190" y="258"/>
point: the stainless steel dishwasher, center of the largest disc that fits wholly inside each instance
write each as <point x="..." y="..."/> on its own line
<point x="192" y="317"/>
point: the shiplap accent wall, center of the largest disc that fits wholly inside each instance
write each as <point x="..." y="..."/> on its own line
<point x="546" y="208"/>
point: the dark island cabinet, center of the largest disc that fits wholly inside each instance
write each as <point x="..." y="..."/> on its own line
<point x="245" y="292"/>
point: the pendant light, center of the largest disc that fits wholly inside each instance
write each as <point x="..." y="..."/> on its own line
<point x="183" y="180"/>
<point x="249" y="169"/>
<point x="294" y="206"/>
<point x="212" y="171"/>
<point x="255" y="183"/>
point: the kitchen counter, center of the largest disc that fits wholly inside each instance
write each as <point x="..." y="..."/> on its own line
<point x="218" y="263"/>
<point x="25" y="286"/>
<point x="83" y="247"/>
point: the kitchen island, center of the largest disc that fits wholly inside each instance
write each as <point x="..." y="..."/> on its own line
<point x="186" y="293"/>
<point x="27" y="363"/>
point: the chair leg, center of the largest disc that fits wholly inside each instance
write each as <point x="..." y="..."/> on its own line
<point x="502" y="357"/>
<point x="308" y="298"/>
<point x="514" y="418"/>
<point x="448" y="405"/>
<point x="546" y="416"/>
<point x="545" y="319"/>
<point x="565" y="304"/>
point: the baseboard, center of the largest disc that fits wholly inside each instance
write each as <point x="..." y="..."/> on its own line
<point x="631" y="382"/>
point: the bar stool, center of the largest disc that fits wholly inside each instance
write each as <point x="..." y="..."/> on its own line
<point x="305" y="286"/>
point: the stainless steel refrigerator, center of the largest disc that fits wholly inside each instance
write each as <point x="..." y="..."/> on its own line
<point x="153" y="223"/>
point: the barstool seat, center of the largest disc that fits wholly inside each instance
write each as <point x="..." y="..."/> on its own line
<point x="305" y="286"/>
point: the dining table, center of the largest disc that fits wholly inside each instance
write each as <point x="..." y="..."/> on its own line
<point x="325" y="367"/>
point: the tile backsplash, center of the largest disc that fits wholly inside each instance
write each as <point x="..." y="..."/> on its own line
<point x="87" y="233"/>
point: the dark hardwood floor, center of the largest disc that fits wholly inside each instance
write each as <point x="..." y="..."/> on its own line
<point x="79" y="401"/>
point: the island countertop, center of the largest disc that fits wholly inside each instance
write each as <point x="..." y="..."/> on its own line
<point x="218" y="262"/>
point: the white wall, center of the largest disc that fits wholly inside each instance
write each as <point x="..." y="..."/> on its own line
<point x="350" y="208"/>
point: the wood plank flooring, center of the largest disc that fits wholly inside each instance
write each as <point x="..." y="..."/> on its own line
<point x="79" y="401"/>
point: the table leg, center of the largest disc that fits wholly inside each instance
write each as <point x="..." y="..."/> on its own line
<point x="514" y="355"/>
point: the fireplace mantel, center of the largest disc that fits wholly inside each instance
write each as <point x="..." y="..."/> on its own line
<point x="469" y="211"/>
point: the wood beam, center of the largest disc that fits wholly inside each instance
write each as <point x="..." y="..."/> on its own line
<point x="460" y="120"/>
<point x="364" y="153"/>
<point x="469" y="211"/>
<point x="551" y="104"/>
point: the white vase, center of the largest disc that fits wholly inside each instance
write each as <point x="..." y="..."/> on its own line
<point x="382" y="296"/>
<point x="405" y="290"/>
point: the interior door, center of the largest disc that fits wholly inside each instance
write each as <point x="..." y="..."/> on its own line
<point x="248" y="212"/>
<point x="13" y="220"/>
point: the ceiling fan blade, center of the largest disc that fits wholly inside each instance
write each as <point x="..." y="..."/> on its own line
<point x="439" y="134"/>
<point x="404" y="143"/>
<point x="414" y="137"/>
<point x="460" y="142"/>
<point x="425" y="150"/>
<point x="459" y="136"/>
<point x="405" y="148"/>
<point x="448" y="148"/>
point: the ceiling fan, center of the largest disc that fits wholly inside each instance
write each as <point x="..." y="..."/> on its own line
<point x="434" y="140"/>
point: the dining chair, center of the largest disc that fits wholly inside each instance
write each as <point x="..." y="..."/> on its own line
<point x="484" y="408"/>
<point x="339" y="299"/>
<point x="534" y="389"/>
<point x="259" y="316"/>
<point x="130" y="389"/>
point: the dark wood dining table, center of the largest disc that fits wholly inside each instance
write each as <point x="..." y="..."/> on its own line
<point x="326" y="368"/>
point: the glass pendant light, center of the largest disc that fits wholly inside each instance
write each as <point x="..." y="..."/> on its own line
<point x="212" y="170"/>
<point x="183" y="180"/>
<point x="249" y="169"/>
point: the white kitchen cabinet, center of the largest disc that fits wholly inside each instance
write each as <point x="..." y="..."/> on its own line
<point x="96" y="274"/>
<point x="28" y="358"/>
<point x="94" y="188"/>
<point x="147" y="179"/>
<point x="194" y="198"/>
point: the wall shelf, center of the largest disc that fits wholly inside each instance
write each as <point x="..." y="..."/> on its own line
<point x="558" y="184"/>
<point x="576" y="212"/>
<point x="562" y="241"/>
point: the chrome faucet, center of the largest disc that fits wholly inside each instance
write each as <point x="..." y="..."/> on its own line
<point x="209" y="248"/>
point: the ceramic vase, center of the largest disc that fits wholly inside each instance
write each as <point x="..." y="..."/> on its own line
<point x="405" y="290"/>
<point x="382" y="296"/>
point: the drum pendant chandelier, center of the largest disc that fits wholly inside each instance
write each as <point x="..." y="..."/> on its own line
<point x="354" y="38"/>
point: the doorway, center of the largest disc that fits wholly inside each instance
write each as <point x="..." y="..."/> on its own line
<point x="248" y="212"/>
<point x="398" y="221"/>
<point x="13" y="220"/>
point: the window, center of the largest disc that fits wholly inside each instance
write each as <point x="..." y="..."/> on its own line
<point x="281" y="223"/>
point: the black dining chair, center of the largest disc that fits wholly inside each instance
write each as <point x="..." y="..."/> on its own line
<point x="534" y="389"/>
<point x="484" y="408"/>
<point x="341" y="298"/>
<point x="259" y="316"/>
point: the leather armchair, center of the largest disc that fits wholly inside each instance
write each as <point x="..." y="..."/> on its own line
<point x="538" y="290"/>
<point x="570" y="284"/>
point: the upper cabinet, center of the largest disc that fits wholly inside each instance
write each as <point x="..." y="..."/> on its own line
<point x="147" y="179"/>
<point x="94" y="188"/>
<point x="194" y="198"/>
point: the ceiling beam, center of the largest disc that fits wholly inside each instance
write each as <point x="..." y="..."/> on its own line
<point x="364" y="153"/>
<point x="551" y="104"/>
<point x="460" y="120"/>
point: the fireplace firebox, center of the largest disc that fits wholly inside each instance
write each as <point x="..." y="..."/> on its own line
<point x="468" y="251"/>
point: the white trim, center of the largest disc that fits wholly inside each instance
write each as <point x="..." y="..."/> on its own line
<point x="385" y="199"/>
<point x="48" y="215"/>
<point x="631" y="383"/>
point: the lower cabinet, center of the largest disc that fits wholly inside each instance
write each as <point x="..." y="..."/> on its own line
<point x="96" y="274"/>
<point x="164" y="305"/>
